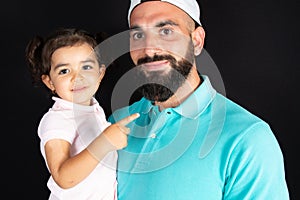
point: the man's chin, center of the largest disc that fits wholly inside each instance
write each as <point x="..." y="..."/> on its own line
<point x="156" y="93"/>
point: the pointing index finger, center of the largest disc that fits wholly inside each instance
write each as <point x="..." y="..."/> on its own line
<point x="128" y="119"/>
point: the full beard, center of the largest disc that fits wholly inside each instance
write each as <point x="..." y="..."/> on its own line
<point x="160" y="87"/>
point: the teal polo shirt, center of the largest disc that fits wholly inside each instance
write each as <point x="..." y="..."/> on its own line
<point x="206" y="148"/>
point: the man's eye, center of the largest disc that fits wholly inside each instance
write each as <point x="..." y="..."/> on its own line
<point x="137" y="35"/>
<point x="63" y="71"/>
<point x="166" y="31"/>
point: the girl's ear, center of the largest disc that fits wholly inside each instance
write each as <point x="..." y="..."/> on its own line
<point x="47" y="81"/>
<point x="102" y="71"/>
<point x="198" y="36"/>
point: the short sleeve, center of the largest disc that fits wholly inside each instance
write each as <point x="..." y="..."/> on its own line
<point x="256" y="167"/>
<point x="54" y="125"/>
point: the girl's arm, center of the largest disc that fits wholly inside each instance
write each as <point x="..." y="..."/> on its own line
<point x="68" y="171"/>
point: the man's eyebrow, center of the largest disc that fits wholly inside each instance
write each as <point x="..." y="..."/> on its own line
<point x="158" y="25"/>
<point x="135" y="27"/>
<point x="164" y="23"/>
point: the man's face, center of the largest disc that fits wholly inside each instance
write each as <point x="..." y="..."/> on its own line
<point x="162" y="84"/>
<point x="161" y="47"/>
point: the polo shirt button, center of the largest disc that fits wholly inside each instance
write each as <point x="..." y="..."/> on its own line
<point x="153" y="135"/>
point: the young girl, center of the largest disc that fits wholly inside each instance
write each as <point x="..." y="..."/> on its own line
<point x="77" y="143"/>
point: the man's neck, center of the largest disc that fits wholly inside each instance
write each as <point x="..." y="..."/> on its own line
<point x="190" y="85"/>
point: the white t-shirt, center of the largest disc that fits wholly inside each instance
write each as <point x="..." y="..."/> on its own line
<point x="79" y="125"/>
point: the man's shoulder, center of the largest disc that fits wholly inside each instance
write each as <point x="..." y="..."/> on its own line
<point x="237" y="111"/>
<point x="238" y="119"/>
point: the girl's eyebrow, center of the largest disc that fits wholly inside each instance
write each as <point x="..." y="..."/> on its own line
<point x="59" y="65"/>
<point x="88" y="60"/>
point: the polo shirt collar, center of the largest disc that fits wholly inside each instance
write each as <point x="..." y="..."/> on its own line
<point x="198" y="101"/>
<point x="61" y="104"/>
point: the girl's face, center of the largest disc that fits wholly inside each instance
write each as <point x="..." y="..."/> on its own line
<point x="75" y="73"/>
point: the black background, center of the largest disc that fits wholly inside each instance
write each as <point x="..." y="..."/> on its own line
<point x="255" y="45"/>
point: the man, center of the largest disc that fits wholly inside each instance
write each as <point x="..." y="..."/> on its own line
<point x="190" y="142"/>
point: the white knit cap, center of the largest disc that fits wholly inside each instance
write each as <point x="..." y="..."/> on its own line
<point x="191" y="7"/>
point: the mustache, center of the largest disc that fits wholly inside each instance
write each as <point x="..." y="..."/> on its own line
<point x="154" y="58"/>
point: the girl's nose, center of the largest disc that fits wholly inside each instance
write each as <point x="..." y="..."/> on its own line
<point x="77" y="76"/>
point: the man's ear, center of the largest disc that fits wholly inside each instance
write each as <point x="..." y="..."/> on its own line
<point x="198" y="36"/>
<point x="47" y="81"/>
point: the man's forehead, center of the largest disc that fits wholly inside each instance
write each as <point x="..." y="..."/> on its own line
<point x="151" y="16"/>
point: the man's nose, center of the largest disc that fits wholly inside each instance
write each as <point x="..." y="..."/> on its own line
<point x="152" y="45"/>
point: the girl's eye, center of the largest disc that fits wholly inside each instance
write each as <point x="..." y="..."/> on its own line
<point x="64" y="71"/>
<point x="87" y="67"/>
